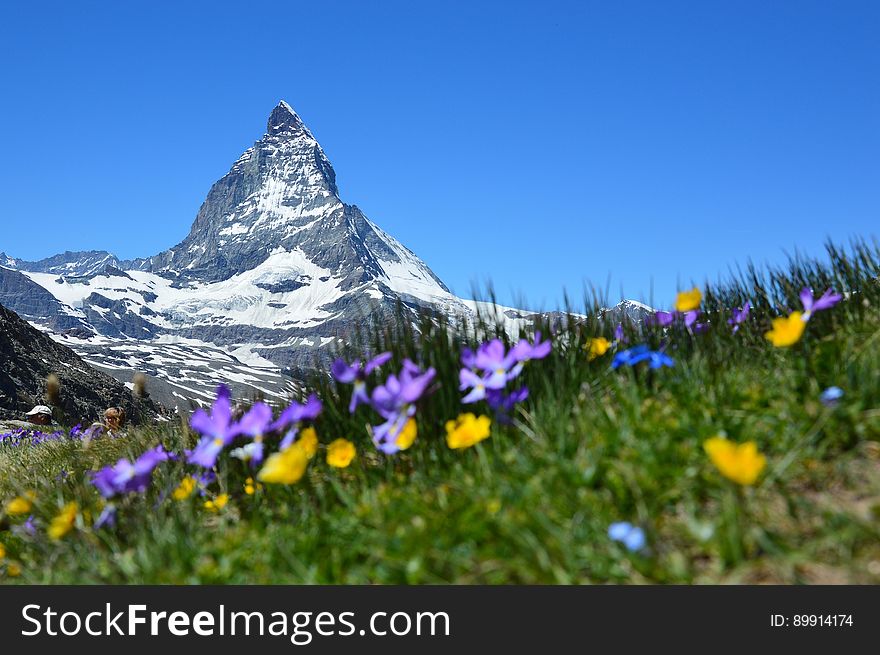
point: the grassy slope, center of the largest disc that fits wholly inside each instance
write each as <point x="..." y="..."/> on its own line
<point x="533" y="503"/>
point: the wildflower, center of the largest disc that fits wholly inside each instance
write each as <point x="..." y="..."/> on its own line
<point x="2" y="551"/>
<point x="631" y="536"/>
<point x="687" y="301"/>
<point x="662" y="318"/>
<point x="250" y="486"/>
<point x="13" y="569"/>
<point x="741" y="463"/>
<point x="470" y="380"/>
<point x="126" y="476"/>
<point x="340" y="453"/>
<point x="107" y="517"/>
<point x="690" y="322"/>
<point x="217" y="504"/>
<point x="28" y="528"/>
<point x="398" y="394"/>
<point x="308" y="440"/>
<point x="811" y="304"/>
<point x="597" y="347"/>
<point x="21" y="504"/>
<point x="831" y="396"/>
<point x="503" y="403"/>
<point x="740" y="315"/>
<point x="395" y="401"/>
<point x="641" y="353"/>
<point x="357" y="373"/>
<point x="293" y="416"/>
<point x="467" y="430"/>
<point x="253" y="424"/>
<point x="407" y="435"/>
<point x="499" y="365"/>
<point x="786" y="331"/>
<point x="185" y="489"/>
<point x="389" y="435"/>
<point x="63" y="522"/>
<point x="524" y="351"/>
<point x="217" y="430"/>
<point x="252" y="452"/>
<point x="285" y="467"/>
<point x="619" y="336"/>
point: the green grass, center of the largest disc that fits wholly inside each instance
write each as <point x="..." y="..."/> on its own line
<point x="532" y="504"/>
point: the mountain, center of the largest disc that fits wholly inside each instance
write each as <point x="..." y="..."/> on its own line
<point x="275" y="270"/>
<point x="28" y="356"/>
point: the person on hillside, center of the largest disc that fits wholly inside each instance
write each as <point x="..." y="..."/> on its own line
<point x="39" y="415"/>
<point x="114" y="419"/>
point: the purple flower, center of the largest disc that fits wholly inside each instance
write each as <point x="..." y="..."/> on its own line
<point x="107" y="518"/>
<point x="395" y="402"/>
<point x="740" y="316"/>
<point x="293" y="417"/>
<point x="641" y="353"/>
<point x="690" y="322"/>
<point x="826" y="301"/>
<point x="28" y="528"/>
<point x="633" y="537"/>
<point x="503" y="403"/>
<point x="619" y="336"/>
<point x="524" y="351"/>
<point x="125" y="476"/>
<point x="254" y="424"/>
<point x="357" y="373"/>
<point x="662" y="318"/>
<point x="500" y="365"/>
<point x="399" y="393"/>
<point x="468" y="379"/>
<point x="217" y="430"/>
<point x="385" y="435"/>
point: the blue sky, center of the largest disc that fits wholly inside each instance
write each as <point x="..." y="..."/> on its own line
<point x="537" y="144"/>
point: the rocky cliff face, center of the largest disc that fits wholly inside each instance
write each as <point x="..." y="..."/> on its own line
<point x="28" y="356"/>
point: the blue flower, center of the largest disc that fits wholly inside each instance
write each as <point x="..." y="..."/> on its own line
<point x="633" y="537"/>
<point x="831" y="396"/>
<point x="641" y="353"/>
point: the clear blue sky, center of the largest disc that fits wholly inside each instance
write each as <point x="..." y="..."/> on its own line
<point x="539" y="144"/>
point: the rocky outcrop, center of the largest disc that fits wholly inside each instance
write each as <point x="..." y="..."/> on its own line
<point x="28" y="357"/>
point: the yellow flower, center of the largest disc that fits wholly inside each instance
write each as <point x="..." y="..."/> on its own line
<point x="286" y="466"/>
<point x="308" y="441"/>
<point x="218" y="503"/>
<point x="2" y="551"/>
<point x="342" y="451"/>
<point x="21" y="504"/>
<point x="63" y="523"/>
<point x="741" y="463"/>
<point x="467" y="430"/>
<point x="250" y="487"/>
<point x="185" y="489"/>
<point x="687" y="301"/>
<point x="598" y="347"/>
<point x="13" y="570"/>
<point x="787" y="331"/>
<point x="408" y="434"/>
